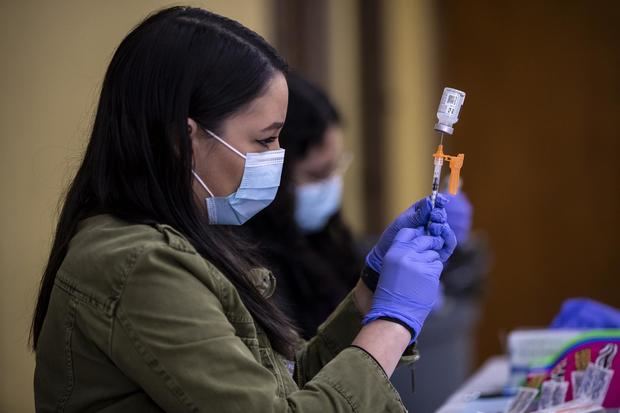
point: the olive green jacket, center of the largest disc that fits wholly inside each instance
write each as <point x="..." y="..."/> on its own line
<point x="138" y="321"/>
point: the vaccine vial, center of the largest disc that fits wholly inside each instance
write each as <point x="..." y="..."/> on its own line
<point x="449" y="108"/>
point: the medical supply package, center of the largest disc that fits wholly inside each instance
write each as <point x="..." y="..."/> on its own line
<point x="525" y="347"/>
<point x="583" y="368"/>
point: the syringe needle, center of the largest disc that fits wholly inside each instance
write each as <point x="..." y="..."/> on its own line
<point x="441" y="139"/>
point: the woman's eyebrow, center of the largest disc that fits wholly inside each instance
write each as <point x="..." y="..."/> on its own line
<point x="273" y="126"/>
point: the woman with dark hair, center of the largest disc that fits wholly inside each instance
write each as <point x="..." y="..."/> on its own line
<point x="153" y="299"/>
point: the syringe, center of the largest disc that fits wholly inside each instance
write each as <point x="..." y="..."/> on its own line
<point x="438" y="162"/>
<point x="447" y="115"/>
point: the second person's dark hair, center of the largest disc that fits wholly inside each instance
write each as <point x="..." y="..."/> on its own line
<point x="310" y="113"/>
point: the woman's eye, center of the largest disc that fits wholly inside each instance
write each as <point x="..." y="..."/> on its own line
<point x="268" y="141"/>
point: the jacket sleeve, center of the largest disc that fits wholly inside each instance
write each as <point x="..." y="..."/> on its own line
<point x="171" y="336"/>
<point x="333" y="336"/>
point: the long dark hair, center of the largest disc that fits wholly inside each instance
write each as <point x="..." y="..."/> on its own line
<point x="180" y="62"/>
<point x="314" y="271"/>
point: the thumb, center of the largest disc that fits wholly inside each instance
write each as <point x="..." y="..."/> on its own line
<point x="425" y="243"/>
<point x="406" y="235"/>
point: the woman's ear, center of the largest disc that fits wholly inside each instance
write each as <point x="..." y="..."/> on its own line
<point x="192" y="129"/>
<point x="193" y="133"/>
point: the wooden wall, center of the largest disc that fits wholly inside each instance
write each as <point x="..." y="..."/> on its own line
<point x="540" y="132"/>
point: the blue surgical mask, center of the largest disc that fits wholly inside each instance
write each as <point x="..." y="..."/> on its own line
<point x="317" y="202"/>
<point x="258" y="188"/>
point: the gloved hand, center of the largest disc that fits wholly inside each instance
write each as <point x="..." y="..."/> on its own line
<point x="586" y="313"/>
<point x="409" y="281"/>
<point x="417" y="215"/>
<point x="460" y="214"/>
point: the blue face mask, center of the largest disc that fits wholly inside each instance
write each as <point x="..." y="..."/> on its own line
<point x="258" y="188"/>
<point x="316" y="203"/>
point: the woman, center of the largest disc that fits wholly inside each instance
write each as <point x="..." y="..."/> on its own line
<point x="151" y="300"/>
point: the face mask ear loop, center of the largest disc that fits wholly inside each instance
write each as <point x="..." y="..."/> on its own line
<point x="201" y="182"/>
<point x="222" y="141"/>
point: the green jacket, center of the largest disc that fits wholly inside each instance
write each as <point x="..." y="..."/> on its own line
<point x="138" y="321"/>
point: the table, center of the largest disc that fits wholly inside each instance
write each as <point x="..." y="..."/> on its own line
<point x="490" y="378"/>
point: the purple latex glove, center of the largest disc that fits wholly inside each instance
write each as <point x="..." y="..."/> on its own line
<point x="460" y="214"/>
<point x="441" y="298"/>
<point x="417" y="215"/>
<point x="439" y="228"/>
<point x="409" y="283"/>
<point x="444" y="231"/>
<point x="586" y="313"/>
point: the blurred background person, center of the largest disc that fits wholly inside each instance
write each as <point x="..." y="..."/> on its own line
<point x="306" y="218"/>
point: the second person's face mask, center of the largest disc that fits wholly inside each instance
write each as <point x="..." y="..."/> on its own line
<point x="258" y="187"/>
<point x="317" y="202"/>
